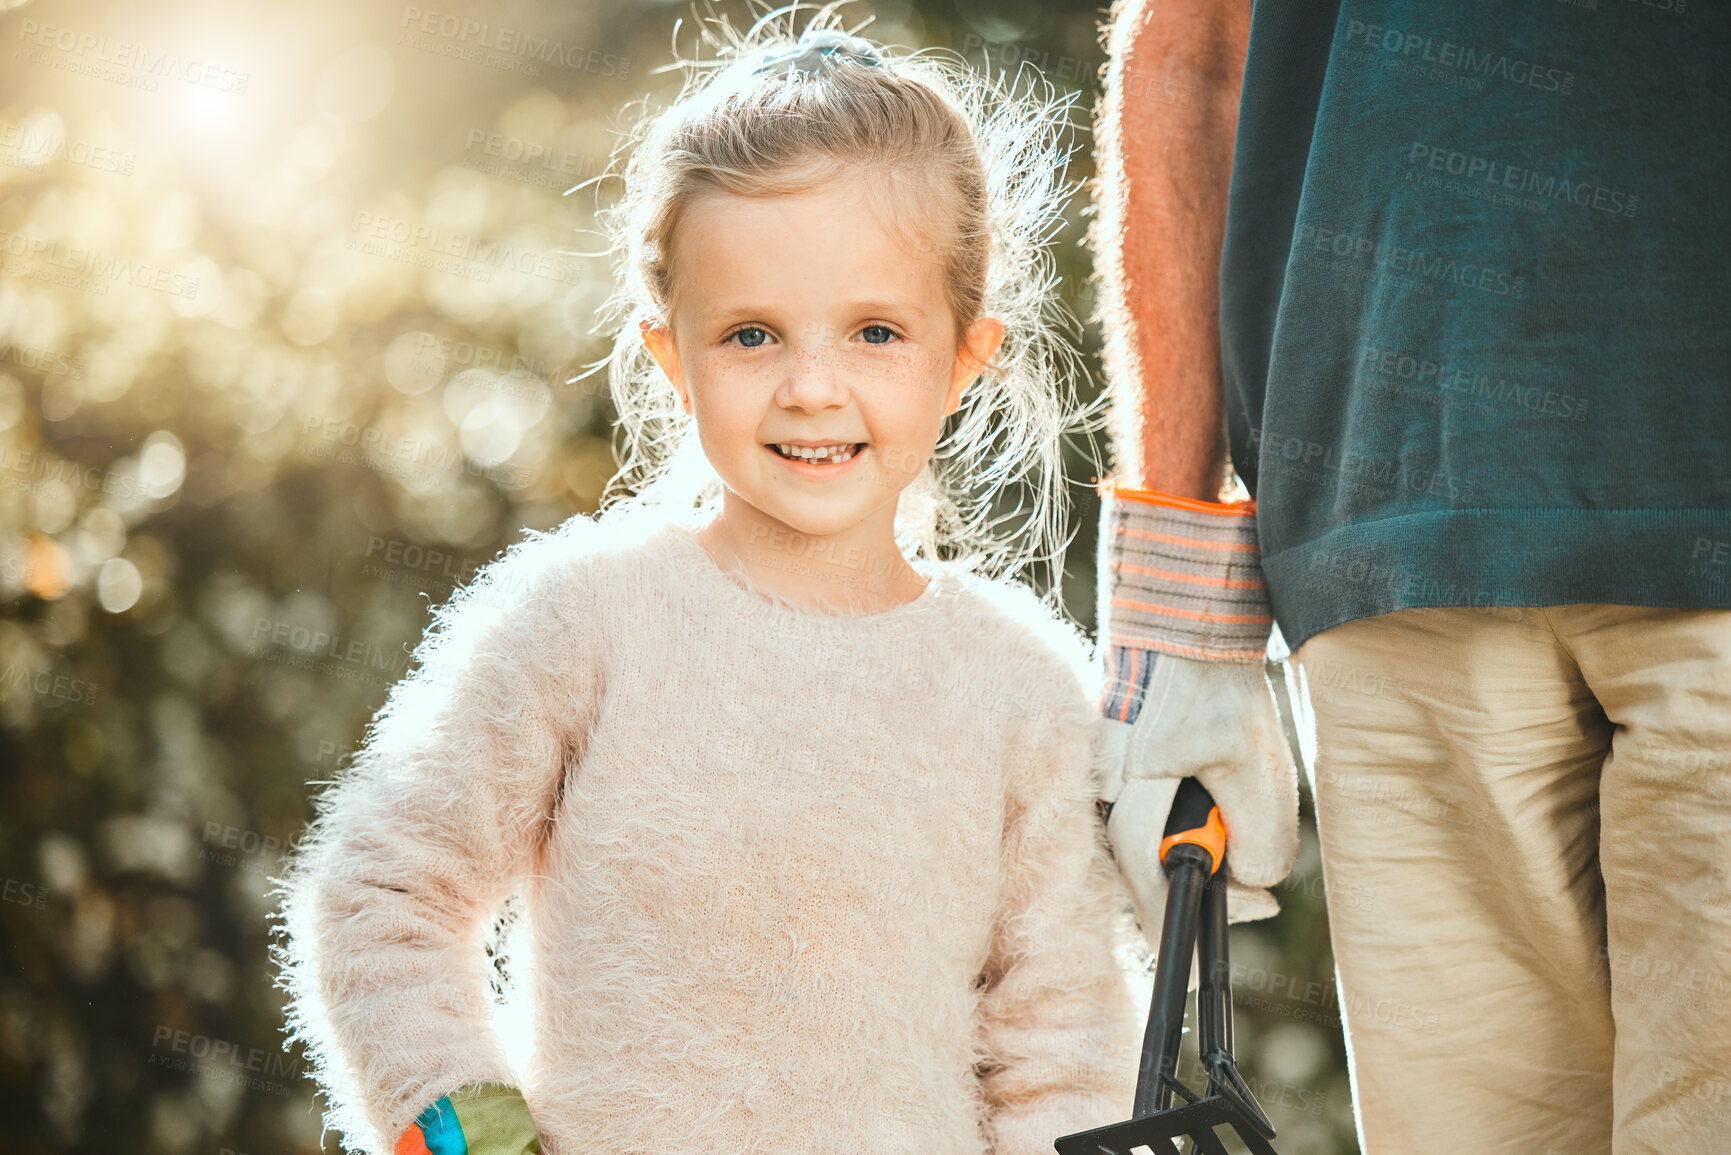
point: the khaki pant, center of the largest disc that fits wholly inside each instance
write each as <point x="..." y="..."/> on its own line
<point x="1531" y="809"/>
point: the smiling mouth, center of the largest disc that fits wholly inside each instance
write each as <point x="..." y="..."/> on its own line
<point x="837" y="454"/>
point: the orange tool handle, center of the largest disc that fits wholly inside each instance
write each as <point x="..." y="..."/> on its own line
<point x="1195" y="820"/>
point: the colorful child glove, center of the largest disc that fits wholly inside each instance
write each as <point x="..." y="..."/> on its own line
<point x="1184" y="626"/>
<point x="479" y="1119"/>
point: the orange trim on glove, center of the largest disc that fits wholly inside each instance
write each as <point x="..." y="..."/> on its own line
<point x="1173" y="501"/>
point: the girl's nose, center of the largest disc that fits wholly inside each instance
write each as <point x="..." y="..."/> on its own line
<point x="813" y="381"/>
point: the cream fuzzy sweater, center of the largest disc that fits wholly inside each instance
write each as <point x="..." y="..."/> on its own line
<point x="791" y="882"/>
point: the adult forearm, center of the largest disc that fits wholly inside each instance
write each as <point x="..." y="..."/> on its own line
<point x="1165" y="137"/>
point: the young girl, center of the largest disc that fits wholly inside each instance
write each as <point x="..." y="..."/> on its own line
<point x="798" y="801"/>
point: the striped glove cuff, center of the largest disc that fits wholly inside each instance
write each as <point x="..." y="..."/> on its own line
<point x="1181" y="577"/>
<point x="479" y="1119"/>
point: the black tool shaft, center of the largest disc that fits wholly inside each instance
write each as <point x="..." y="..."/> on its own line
<point x="1214" y="991"/>
<point x="1186" y="872"/>
<point x="1193" y="854"/>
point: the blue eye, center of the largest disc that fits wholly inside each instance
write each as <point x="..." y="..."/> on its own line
<point x="887" y="332"/>
<point x="750" y="337"/>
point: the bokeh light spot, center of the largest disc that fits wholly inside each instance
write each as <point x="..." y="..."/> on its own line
<point x="162" y="464"/>
<point x="118" y="584"/>
<point x="47" y="567"/>
<point x="414" y="362"/>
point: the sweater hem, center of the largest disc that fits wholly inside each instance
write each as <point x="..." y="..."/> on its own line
<point x="1485" y="558"/>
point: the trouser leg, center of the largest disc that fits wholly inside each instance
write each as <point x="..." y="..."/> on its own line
<point x="1663" y="677"/>
<point x="1456" y="774"/>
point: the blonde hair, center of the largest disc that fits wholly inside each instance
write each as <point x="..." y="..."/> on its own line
<point x="775" y="113"/>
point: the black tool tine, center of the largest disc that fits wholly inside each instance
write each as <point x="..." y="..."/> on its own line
<point x="1225" y="1080"/>
<point x="1254" y="1143"/>
<point x="1158" y="1132"/>
<point x="1207" y="1142"/>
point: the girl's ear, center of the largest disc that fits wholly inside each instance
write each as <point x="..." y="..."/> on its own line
<point x="979" y="345"/>
<point x="659" y="341"/>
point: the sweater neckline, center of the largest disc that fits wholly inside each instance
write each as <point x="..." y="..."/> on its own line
<point x="773" y="606"/>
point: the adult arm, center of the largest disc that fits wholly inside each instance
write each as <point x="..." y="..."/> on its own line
<point x="1183" y="608"/>
<point x="1165" y="137"/>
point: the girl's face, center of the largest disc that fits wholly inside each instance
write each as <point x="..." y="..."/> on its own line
<point x="818" y="355"/>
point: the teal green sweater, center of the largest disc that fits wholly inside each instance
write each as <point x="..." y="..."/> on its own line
<point x="1475" y="304"/>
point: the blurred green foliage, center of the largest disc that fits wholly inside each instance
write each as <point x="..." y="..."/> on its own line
<point x="293" y="314"/>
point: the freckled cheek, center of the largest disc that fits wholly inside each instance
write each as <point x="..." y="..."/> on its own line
<point x="907" y="407"/>
<point x="728" y="400"/>
<point x="921" y="378"/>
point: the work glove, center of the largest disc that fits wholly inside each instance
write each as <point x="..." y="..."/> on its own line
<point x="1184" y="627"/>
<point x="479" y="1119"/>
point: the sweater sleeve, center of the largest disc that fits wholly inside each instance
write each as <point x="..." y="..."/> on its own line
<point x="1058" y="1018"/>
<point x="415" y="848"/>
